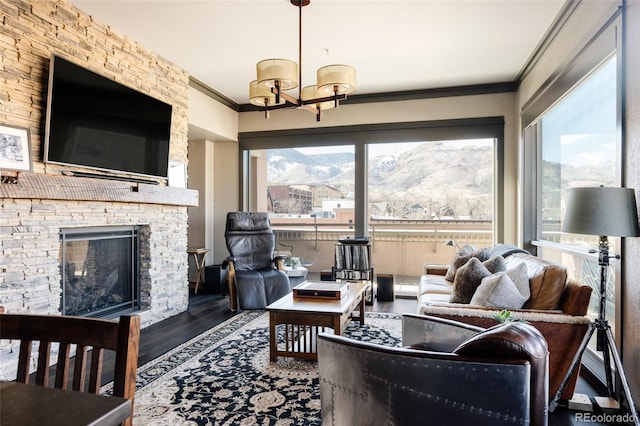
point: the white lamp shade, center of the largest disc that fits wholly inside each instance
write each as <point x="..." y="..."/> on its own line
<point x="311" y="92"/>
<point x="340" y="77"/>
<point x="602" y="211"/>
<point x="261" y="95"/>
<point x="282" y="70"/>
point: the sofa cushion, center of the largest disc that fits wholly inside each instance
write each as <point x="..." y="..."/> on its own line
<point x="547" y="281"/>
<point x="467" y="279"/>
<point x="501" y="291"/>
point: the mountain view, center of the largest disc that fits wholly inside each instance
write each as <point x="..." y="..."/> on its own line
<point x="447" y="179"/>
<point x="428" y="180"/>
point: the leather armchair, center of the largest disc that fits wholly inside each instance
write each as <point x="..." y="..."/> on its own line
<point x="446" y="373"/>
<point x="255" y="277"/>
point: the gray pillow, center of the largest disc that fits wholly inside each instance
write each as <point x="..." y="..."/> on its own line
<point x="505" y="290"/>
<point x="482" y="253"/>
<point x="468" y="278"/>
<point x="459" y="259"/>
<point x="495" y="264"/>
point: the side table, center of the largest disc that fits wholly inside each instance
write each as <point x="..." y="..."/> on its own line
<point x="198" y="258"/>
<point x="296" y="275"/>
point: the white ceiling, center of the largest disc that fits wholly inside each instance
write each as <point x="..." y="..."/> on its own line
<point x="394" y="45"/>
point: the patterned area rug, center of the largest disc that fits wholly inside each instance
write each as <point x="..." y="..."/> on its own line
<point x="224" y="377"/>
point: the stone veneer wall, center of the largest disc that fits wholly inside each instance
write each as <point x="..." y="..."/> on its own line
<point x="31" y="32"/>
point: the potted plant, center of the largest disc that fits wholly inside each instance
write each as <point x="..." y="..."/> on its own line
<point x="295" y="262"/>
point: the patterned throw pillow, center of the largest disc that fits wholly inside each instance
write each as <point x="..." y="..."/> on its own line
<point x="505" y="290"/>
<point x="467" y="279"/>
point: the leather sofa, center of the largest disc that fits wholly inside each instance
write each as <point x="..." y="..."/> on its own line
<point x="557" y="307"/>
<point x="447" y="372"/>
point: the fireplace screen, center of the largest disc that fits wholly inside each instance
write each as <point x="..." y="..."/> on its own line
<point x="99" y="269"/>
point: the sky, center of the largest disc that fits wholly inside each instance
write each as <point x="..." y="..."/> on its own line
<point x="374" y="149"/>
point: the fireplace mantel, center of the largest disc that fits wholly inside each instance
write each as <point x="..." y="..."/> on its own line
<point x="57" y="187"/>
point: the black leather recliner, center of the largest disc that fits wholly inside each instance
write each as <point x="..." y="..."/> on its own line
<point x="255" y="277"/>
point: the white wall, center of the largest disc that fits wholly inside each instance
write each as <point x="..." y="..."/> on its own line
<point x="209" y="119"/>
<point x="214" y="170"/>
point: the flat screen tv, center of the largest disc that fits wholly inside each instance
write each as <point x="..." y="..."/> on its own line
<point x="96" y="123"/>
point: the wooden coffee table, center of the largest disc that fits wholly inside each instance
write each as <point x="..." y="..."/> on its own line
<point x="304" y="318"/>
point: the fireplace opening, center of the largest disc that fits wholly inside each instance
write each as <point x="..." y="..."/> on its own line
<point x="100" y="271"/>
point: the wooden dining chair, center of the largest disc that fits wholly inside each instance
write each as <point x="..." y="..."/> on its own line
<point x="88" y="335"/>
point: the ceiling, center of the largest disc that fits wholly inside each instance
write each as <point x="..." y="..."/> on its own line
<point x="394" y="45"/>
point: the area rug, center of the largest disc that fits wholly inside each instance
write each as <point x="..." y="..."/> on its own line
<point x="224" y="377"/>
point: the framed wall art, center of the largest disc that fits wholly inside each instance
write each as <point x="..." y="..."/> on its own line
<point x="15" y="148"/>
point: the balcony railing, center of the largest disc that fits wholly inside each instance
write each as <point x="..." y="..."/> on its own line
<point x="399" y="247"/>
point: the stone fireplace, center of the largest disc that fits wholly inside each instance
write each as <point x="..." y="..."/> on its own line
<point x="99" y="268"/>
<point x="64" y="237"/>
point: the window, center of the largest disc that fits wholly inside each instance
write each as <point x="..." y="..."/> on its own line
<point x="580" y="146"/>
<point x="310" y="182"/>
<point x="422" y="194"/>
<point x="319" y="194"/>
<point x="432" y="180"/>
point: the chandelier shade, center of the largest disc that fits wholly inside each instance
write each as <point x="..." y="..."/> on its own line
<point x="262" y="95"/>
<point x="336" y="79"/>
<point x="311" y="92"/>
<point x="283" y="71"/>
<point x="276" y="76"/>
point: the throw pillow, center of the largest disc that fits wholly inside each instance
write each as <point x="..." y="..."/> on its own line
<point x="495" y="264"/>
<point x="506" y="290"/>
<point x="482" y="253"/>
<point x="520" y="277"/>
<point x="461" y="257"/>
<point x="467" y="279"/>
<point x="498" y="291"/>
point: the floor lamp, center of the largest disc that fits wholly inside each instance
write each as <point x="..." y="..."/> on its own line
<point x="604" y="212"/>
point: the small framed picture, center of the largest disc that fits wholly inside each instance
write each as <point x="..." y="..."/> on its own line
<point x="15" y="148"/>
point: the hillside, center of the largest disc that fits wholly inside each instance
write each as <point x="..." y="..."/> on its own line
<point x="431" y="179"/>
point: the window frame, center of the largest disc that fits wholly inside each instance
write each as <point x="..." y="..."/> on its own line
<point x="360" y="136"/>
<point x="599" y="49"/>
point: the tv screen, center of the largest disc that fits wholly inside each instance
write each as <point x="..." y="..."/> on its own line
<point x="94" y="122"/>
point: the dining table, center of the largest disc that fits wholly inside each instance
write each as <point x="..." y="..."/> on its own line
<point x="26" y="404"/>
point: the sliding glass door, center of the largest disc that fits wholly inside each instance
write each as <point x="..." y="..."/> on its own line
<point x="409" y="198"/>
